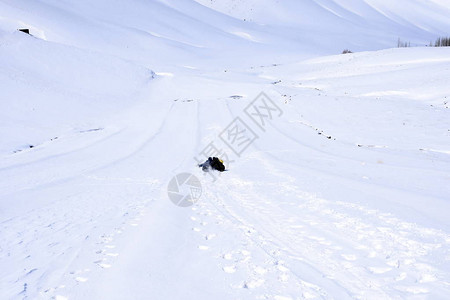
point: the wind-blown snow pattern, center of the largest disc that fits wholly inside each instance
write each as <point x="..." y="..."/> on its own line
<point x="341" y="190"/>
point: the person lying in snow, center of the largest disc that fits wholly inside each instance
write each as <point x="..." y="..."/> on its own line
<point x="212" y="163"/>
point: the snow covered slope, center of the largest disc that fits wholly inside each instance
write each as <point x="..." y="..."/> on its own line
<point x="343" y="194"/>
<point x="359" y="25"/>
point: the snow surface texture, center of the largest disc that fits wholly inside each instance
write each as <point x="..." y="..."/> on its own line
<point x="344" y="194"/>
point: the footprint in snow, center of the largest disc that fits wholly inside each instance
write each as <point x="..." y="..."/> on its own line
<point x="105" y="266"/>
<point x="401" y="277"/>
<point x="253" y="283"/>
<point x="210" y="236"/>
<point x="229" y="269"/>
<point x="349" y="257"/>
<point x="379" y="270"/>
<point x="260" y="270"/>
<point x="227" y="256"/>
<point x="428" y="278"/>
<point x="101" y="263"/>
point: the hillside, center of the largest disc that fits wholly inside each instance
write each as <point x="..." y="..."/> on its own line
<point x="338" y="188"/>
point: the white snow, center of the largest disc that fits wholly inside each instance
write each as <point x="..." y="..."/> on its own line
<point x="343" y="194"/>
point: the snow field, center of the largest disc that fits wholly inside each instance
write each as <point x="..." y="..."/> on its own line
<point x="343" y="196"/>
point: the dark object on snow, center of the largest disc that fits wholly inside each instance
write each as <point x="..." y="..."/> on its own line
<point x="212" y="163"/>
<point x="25" y="30"/>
